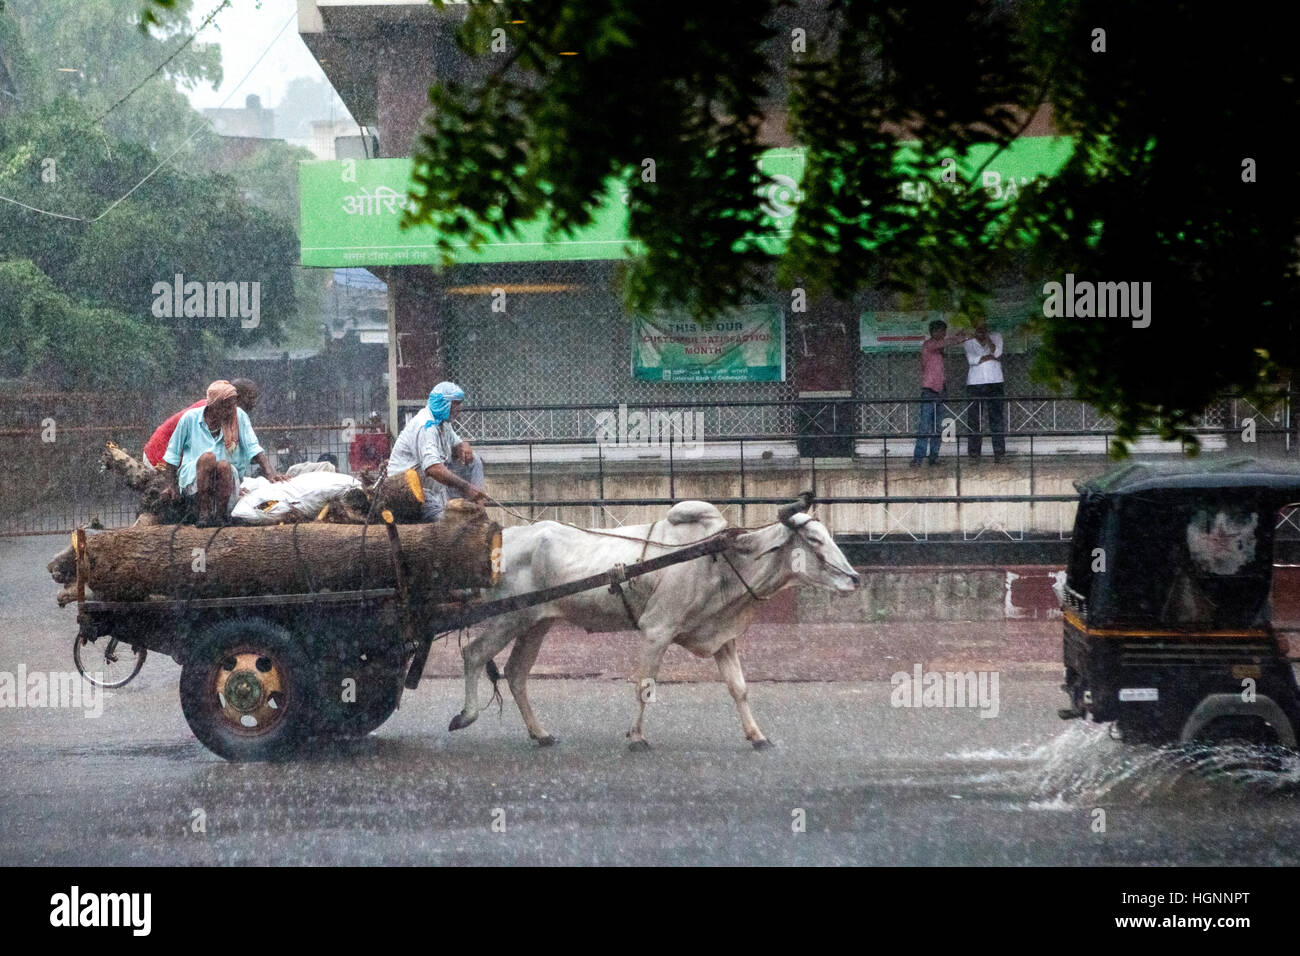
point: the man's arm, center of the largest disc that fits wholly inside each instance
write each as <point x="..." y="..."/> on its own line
<point x="995" y="343"/>
<point x="171" y="461"/>
<point x="268" y="469"/>
<point x="441" y="473"/>
<point x="172" y="491"/>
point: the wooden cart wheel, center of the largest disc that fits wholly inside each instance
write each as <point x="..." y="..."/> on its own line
<point x="248" y="690"/>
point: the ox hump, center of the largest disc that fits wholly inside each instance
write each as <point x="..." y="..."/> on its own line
<point x="697" y="513"/>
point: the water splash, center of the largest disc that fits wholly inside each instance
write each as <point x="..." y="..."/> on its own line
<point x="1084" y="766"/>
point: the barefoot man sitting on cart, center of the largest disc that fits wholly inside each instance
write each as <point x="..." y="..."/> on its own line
<point x="447" y="465"/>
<point x="210" y="453"/>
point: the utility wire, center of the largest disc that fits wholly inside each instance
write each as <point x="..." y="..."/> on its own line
<point x="211" y="16"/>
<point x="197" y="129"/>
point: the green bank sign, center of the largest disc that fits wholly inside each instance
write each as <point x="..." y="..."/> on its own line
<point x="351" y="209"/>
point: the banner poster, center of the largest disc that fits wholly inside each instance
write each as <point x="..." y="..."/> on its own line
<point x="746" y="346"/>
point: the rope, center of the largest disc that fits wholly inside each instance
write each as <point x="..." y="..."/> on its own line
<point x="303" y="565"/>
<point x="645" y="542"/>
<point x="194" y="581"/>
<point x="645" y="547"/>
<point x="752" y="593"/>
<point x="365" y="526"/>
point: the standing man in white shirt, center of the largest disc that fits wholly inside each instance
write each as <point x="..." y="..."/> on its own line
<point x="984" y="384"/>
<point x="447" y="465"/>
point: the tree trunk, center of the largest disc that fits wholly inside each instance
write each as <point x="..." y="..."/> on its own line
<point x="463" y="550"/>
<point x="150" y="484"/>
<point x="402" y="495"/>
<point x="135" y="473"/>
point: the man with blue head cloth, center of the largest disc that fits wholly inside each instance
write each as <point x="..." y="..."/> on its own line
<point x="447" y="465"/>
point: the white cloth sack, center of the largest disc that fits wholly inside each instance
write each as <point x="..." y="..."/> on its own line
<point x="262" y="501"/>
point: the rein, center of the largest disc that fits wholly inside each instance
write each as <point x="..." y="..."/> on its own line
<point x="740" y="577"/>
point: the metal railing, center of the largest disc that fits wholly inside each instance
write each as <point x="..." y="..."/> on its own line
<point x="50" y="488"/>
<point x="893" y="417"/>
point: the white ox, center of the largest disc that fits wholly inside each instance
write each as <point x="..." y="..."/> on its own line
<point x="702" y="604"/>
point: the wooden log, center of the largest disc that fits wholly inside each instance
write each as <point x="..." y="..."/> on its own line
<point x="460" y="551"/>
<point x="136" y="475"/>
<point x="402" y="495"/>
<point x="63" y="566"/>
<point x="151" y="485"/>
<point x="353" y="507"/>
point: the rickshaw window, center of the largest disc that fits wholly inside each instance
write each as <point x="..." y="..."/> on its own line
<point x="1187" y="560"/>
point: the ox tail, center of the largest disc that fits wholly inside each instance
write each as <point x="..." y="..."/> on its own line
<point x="494" y="675"/>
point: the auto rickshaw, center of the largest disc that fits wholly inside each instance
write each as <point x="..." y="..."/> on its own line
<point x="1166" y="603"/>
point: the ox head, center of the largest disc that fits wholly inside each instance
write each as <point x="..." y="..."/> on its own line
<point x="813" y="557"/>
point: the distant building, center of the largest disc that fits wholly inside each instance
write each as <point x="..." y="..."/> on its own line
<point x="357" y="304"/>
<point x="341" y="139"/>
<point x="253" y="120"/>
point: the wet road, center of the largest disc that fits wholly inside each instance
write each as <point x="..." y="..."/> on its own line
<point x="871" y="783"/>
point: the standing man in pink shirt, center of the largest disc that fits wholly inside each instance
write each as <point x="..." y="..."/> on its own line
<point x="932" y="389"/>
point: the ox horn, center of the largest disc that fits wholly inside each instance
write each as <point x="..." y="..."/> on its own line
<point x="802" y="503"/>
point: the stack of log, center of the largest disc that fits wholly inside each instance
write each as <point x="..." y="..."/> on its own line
<point x="462" y="550"/>
<point x="348" y="548"/>
<point x="402" y="496"/>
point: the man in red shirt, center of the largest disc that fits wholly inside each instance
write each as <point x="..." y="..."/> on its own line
<point x="156" y="446"/>
<point x="932" y="389"/>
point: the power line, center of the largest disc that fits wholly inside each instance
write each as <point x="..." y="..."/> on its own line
<point x="158" y="69"/>
<point x="197" y="129"/>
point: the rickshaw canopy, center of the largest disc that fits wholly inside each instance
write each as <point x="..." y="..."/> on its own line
<point x="1184" y="545"/>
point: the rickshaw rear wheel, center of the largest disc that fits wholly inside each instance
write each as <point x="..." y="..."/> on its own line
<point x="247" y="690"/>
<point x="1238" y="729"/>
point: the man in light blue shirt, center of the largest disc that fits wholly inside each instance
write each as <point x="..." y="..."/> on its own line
<point x="210" y="452"/>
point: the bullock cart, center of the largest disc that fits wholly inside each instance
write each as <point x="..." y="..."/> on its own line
<point x="262" y="674"/>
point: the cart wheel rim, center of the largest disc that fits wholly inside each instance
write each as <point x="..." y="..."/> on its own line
<point x="252" y="690"/>
<point x="105" y="662"/>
